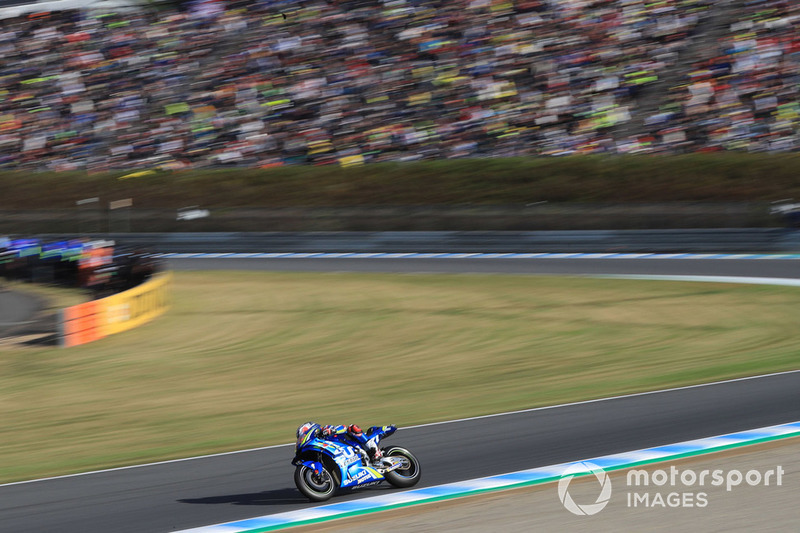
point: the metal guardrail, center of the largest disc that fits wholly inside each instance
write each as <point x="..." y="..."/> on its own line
<point x="733" y="240"/>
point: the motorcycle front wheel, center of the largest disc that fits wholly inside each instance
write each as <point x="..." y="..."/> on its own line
<point x="317" y="487"/>
<point x="407" y="475"/>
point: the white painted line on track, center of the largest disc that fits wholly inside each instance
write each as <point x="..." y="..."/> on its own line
<point x="609" y="398"/>
<point x="443" y="422"/>
<point x="746" y="280"/>
<point x="474" y="255"/>
<point x="130" y="467"/>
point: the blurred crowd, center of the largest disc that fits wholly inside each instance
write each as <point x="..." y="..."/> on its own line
<point x="266" y="83"/>
<point x="746" y="94"/>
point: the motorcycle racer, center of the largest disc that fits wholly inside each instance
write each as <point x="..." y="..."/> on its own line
<point x="337" y="457"/>
<point x="355" y="434"/>
<point x="351" y="433"/>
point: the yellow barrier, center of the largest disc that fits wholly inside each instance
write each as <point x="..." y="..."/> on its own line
<point x="94" y="320"/>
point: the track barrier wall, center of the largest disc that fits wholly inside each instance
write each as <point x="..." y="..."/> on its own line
<point x="90" y="321"/>
<point x="730" y="240"/>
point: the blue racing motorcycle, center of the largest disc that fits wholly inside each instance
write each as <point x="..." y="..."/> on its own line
<point x="327" y="465"/>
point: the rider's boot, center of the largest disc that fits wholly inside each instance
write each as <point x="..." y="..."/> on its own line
<point x="376" y="457"/>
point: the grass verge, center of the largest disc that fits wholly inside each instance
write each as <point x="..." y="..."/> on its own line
<point x="242" y="358"/>
<point x="727" y="177"/>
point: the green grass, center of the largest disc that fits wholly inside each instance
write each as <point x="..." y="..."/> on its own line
<point x="242" y="358"/>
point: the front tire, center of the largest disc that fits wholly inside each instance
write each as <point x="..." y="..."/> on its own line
<point x="316" y="487"/>
<point x="407" y="475"/>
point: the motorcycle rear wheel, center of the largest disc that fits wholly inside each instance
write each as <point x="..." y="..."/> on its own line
<point x="407" y="475"/>
<point x="316" y="487"/>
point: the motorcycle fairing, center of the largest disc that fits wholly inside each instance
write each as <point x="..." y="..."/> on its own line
<point x="313" y="465"/>
<point x="351" y="470"/>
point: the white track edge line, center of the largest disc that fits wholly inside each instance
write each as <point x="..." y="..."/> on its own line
<point x="443" y="422"/>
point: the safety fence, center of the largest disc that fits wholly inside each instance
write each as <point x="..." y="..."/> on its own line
<point x="89" y="321"/>
<point x="727" y="240"/>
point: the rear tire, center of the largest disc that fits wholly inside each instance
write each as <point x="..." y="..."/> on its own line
<point x="316" y="487"/>
<point x="407" y="475"/>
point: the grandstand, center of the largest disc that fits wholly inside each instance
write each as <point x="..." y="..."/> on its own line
<point x="260" y="83"/>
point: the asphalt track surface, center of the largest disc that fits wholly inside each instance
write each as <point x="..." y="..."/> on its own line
<point x="201" y="491"/>
<point x="16" y="310"/>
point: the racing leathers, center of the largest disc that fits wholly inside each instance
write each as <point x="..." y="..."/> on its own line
<point x="354" y="434"/>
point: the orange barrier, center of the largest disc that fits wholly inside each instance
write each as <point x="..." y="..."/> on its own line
<point x="94" y="320"/>
<point x="80" y="323"/>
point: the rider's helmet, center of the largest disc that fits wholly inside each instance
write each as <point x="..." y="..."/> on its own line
<point x="306" y="432"/>
<point x="354" y="430"/>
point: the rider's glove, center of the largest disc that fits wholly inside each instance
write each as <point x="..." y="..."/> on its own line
<point x="326" y="432"/>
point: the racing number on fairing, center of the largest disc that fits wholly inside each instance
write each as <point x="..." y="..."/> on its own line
<point x="345" y="451"/>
